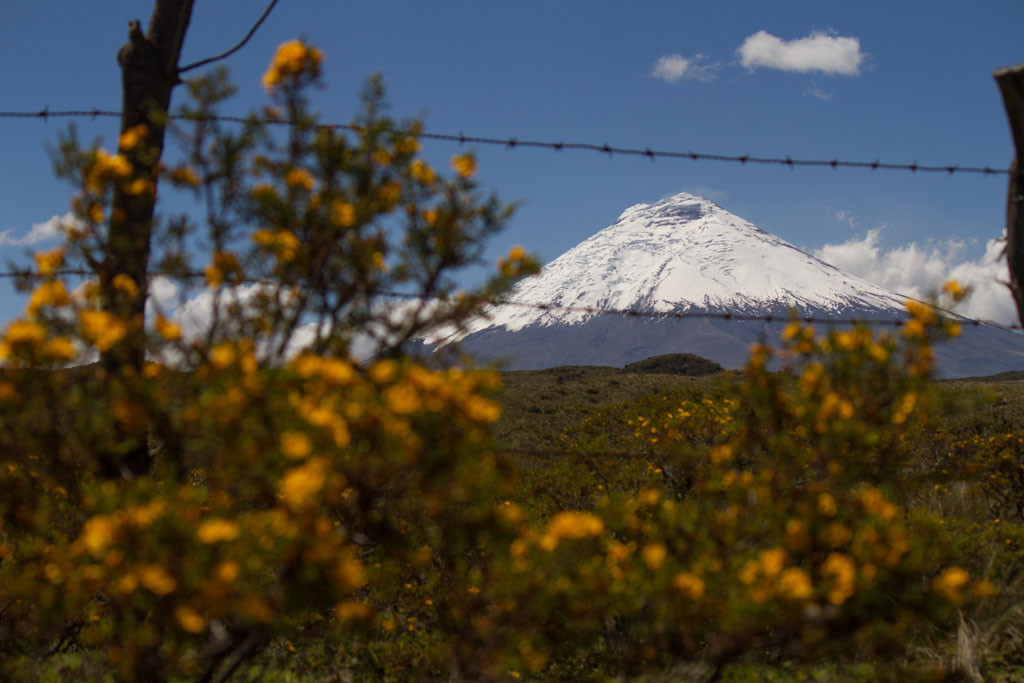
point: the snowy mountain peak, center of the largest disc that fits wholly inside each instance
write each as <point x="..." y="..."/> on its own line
<point x="682" y="207"/>
<point x="687" y="253"/>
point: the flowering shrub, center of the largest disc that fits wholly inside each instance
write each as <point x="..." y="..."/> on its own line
<point x="768" y="518"/>
<point x="294" y="494"/>
<point x="284" y="477"/>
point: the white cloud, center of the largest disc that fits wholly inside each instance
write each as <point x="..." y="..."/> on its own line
<point x="163" y="294"/>
<point x="821" y="51"/>
<point x="845" y="216"/>
<point x="815" y="91"/>
<point x="671" y="68"/>
<point x="40" y="232"/>
<point x="919" y="270"/>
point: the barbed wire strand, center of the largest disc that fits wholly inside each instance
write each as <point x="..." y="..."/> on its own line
<point x="610" y="150"/>
<point x="768" y="318"/>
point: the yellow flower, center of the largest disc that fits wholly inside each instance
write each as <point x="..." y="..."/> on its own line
<point x="128" y="583"/>
<point x="167" y="329"/>
<point x="384" y="371"/>
<point x="226" y="571"/>
<point x="222" y="355"/>
<point x="351" y="610"/>
<point x="264" y="192"/>
<point x="689" y="584"/>
<point x="50" y="293"/>
<point x="117" y="165"/>
<point x="827" y="504"/>
<point x="140" y="186"/>
<point x="920" y="311"/>
<point x="408" y="145"/>
<point x="795" y="584"/>
<point x="300" y="178"/>
<point x="343" y="213"/>
<point x="185" y="175"/>
<point x="838" y="534"/>
<point x="841" y="569"/>
<point x="913" y="328"/>
<point x="337" y="371"/>
<point x="25" y="332"/>
<point x="875" y="502"/>
<point x="955" y="290"/>
<point x="295" y="445"/>
<point x="402" y="399"/>
<point x="132" y="136"/>
<point x="773" y="560"/>
<point x="126" y="284"/>
<point x="574" y="524"/>
<point x="650" y="497"/>
<point x="480" y="409"/>
<point x="984" y="589"/>
<point x="214" y="275"/>
<point x="49" y="261"/>
<point x="286" y="244"/>
<point x="349" y="573"/>
<point x="156" y="579"/>
<point x="721" y="454"/>
<point x="216" y="530"/>
<point x="144" y="515"/>
<point x="291" y="61"/>
<point x="950" y="581"/>
<point x="464" y="165"/>
<point x="389" y="192"/>
<point x="101" y="328"/>
<point x="189" y="620"/>
<point x="98" y="534"/>
<point x="422" y="172"/>
<point x="300" y="484"/>
<point x="60" y="349"/>
<point x="654" y="555"/>
<point x="879" y="353"/>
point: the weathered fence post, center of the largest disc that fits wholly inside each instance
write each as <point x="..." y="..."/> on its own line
<point x="1011" y="84"/>
<point x="149" y="72"/>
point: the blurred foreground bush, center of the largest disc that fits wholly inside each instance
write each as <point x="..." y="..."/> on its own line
<point x="300" y="500"/>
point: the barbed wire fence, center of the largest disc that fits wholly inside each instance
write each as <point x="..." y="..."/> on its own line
<point x="560" y="146"/>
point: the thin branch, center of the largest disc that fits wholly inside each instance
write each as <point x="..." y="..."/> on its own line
<point x="236" y="48"/>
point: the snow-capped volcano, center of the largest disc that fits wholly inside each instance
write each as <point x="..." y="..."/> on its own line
<point x="685" y="254"/>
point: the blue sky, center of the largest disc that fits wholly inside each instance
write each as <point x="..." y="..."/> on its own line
<point x="901" y="82"/>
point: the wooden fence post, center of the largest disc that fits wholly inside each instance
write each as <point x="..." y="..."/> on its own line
<point x="149" y="72"/>
<point x="1011" y="84"/>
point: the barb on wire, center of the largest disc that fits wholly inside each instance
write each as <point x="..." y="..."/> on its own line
<point x="606" y="149"/>
<point x="236" y="48"/>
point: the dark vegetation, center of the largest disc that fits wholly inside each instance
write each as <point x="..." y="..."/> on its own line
<point x="686" y="364"/>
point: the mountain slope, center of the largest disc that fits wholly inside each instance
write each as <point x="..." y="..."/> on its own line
<point x="687" y="254"/>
